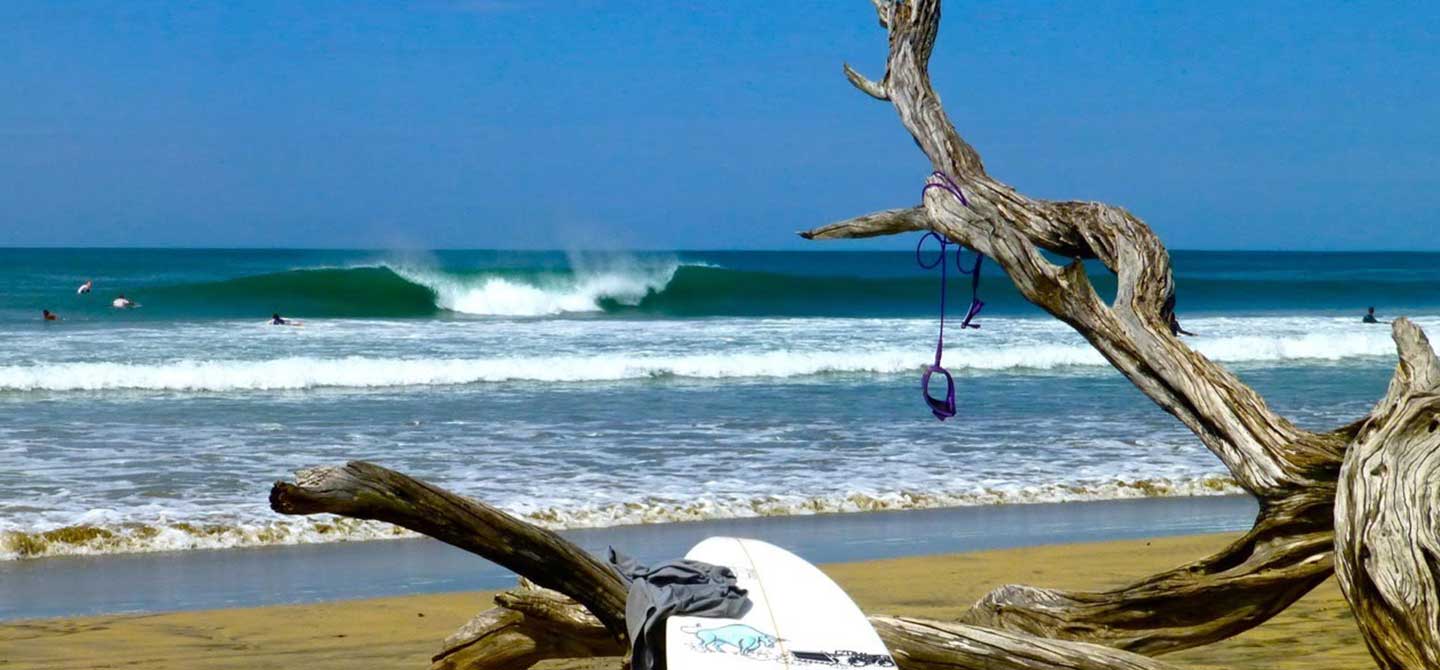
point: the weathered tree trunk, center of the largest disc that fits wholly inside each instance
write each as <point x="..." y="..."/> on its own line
<point x="1387" y="516"/>
<point x="366" y="491"/>
<point x="1291" y="471"/>
<point x="526" y="626"/>
<point x="530" y="624"/>
<point x="1387" y="545"/>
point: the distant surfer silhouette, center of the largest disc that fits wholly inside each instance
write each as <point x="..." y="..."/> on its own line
<point x="85" y="288"/>
<point x="275" y="320"/>
<point x="1169" y="311"/>
<point x="1370" y="317"/>
<point x="1175" y="328"/>
<point x="49" y="315"/>
<point x="122" y="302"/>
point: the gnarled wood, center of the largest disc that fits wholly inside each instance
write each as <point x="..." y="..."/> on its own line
<point x="1291" y="471"/>
<point x="366" y="491"/>
<point x="1388" y="490"/>
<point x="1387" y="515"/>
<point x="527" y="626"/>
<point x="888" y="222"/>
<point x="530" y="625"/>
<point x="921" y="644"/>
<point x="1249" y="581"/>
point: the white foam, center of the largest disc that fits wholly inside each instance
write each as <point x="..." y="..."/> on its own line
<point x="1009" y="346"/>
<point x="625" y="281"/>
<point x="362" y="372"/>
<point x="117" y="535"/>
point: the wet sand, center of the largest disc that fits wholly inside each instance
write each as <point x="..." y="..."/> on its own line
<point x="402" y="632"/>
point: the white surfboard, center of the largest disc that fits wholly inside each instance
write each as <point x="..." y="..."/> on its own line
<point x="798" y="617"/>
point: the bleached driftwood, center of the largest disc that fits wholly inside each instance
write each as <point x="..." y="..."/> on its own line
<point x="532" y="624"/>
<point x="1387" y="515"/>
<point x="1387" y="543"/>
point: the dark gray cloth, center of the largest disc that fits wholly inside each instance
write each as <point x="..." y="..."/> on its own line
<point x="691" y="588"/>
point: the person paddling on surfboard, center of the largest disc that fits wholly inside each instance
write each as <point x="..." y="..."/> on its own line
<point x="275" y="320"/>
<point x="122" y="302"/>
<point x="85" y="288"/>
<point x="49" y="315"/>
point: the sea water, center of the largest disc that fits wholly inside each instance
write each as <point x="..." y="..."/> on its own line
<point x="597" y="389"/>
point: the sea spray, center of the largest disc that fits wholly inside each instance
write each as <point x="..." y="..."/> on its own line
<point x="586" y="287"/>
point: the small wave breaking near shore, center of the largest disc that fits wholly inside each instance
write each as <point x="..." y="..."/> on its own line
<point x="118" y="537"/>
<point x="361" y="372"/>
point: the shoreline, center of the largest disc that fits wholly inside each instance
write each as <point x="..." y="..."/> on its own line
<point x="277" y="575"/>
<point x="402" y="632"/>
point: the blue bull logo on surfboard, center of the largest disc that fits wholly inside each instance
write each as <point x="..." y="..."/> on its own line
<point x="744" y="639"/>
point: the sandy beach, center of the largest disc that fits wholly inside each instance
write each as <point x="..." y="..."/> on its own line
<point x="402" y="632"/>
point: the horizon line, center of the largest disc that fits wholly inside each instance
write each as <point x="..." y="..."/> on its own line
<point x="821" y="248"/>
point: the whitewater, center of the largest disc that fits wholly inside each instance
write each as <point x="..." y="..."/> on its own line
<point x="596" y="390"/>
<point x="176" y="358"/>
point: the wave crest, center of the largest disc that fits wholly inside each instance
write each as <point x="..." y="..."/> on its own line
<point x="587" y="290"/>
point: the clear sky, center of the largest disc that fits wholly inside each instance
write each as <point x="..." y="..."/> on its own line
<point x="723" y="124"/>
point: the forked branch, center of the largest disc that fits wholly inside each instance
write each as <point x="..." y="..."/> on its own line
<point x="531" y="624"/>
<point x="1291" y="471"/>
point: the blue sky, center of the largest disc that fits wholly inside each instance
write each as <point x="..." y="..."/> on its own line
<point x="554" y="124"/>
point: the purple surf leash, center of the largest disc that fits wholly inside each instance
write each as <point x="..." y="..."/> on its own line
<point x="945" y="408"/>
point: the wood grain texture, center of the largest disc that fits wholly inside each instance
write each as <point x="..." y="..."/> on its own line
<point x="1387" y="515"/>
<point x="1291" y="471"/>
<point x="1382" y="502"/>
<point x="366" y="491"/>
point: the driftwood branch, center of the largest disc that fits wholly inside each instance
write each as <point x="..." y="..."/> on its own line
<point x="532" y="624"/>
<point x="527" y="626"/>
<point x="921" y="644"/>
<point x="887" y="222"/>
<point x="365" y="491"/>
<point x="1374" y="526"/>
<point x="1291" y="471"/>
<point x="1387" y="515"/>
<point x="871" y="88"/>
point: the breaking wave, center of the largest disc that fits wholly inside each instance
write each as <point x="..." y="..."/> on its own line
<point x="162" y="535"/>
<point x="582" y="292"/>
<point x="404" y="291"/>
<point x="298" y="373"/>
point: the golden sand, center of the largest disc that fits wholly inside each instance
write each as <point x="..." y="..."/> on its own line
<point x="402" y="632"/>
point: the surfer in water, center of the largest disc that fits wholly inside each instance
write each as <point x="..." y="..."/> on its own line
<point x="275" y="320"/>
<point x="49" y="315"/>
<point x="85" y="288"/>
<point x="1168" y="310"/>
<point x="122" y="302"/>
<point x="1370" y="317"/>
<point x="1175" y="328"/>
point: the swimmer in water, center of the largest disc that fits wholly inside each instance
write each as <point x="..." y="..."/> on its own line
<point x="123" y="302"/>
<point x="85" y="288"/>
<point x="275" y="320"/>
<point x="1370" y="317"/>
<point x="49" y="315"/>
<point x="1168" y="310"/>
<point x="1175" y="328"/>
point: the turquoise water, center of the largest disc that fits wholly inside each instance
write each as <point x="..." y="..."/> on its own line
<point x="219" y="284"/>
<point x="588" y="389"/>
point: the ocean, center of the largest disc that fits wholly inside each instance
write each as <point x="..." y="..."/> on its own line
<point x="583" y="390"/>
